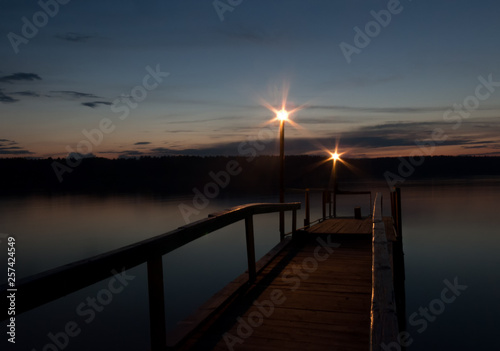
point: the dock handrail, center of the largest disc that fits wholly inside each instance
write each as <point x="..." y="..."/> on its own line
<point x="384" y="320"/>
<point x="330" y="197"/>
<point x="39" y="289"/>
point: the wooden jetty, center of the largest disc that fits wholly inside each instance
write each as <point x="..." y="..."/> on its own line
<point x="329" y="286"/>
<point x="337" y="283"/>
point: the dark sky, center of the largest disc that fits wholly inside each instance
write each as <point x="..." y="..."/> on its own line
<point x="128" y="78"/>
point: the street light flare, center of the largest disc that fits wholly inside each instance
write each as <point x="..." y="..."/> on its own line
<point x="335" y="156"/>
<point x="282" y="115"/>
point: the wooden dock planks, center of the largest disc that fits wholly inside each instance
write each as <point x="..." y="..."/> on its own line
<point x="343" y="226"/>
<point x="315" y="294"/>
<point x="324" y="302"/>
<point x="352" y="226"/>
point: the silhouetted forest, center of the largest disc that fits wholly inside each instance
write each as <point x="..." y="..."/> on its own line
<point x="180" y="174"/>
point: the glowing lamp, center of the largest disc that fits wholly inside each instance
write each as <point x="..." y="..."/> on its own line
<point x="282" y="115"/>
<point x="335" y="156"/>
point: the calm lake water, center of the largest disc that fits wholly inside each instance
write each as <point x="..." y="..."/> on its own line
<point x="450" y="231"/>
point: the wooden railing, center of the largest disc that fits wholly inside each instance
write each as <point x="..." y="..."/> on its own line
<point x="384" y="319"/>
<point x="398" y="258"/>
<point x="330" y="197"/>
<point x="51" y="285"/>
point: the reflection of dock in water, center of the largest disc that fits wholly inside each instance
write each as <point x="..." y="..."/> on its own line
<point x="335" y="284"/>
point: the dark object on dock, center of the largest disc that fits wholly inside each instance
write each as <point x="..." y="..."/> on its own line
<point x="357" y="212"/>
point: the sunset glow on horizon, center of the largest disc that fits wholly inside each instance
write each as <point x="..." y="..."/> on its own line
<point x="140" y="79"/>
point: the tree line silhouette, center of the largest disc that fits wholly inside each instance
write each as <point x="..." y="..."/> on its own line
<point x="180" y="174"/>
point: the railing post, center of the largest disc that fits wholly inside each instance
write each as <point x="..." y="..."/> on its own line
<point x="381" y="206"/>
<point x="393" y="208"/>
<point x="307" y="220"/>
<point x="324" y="205"/>
<point x="330" y="204"/>
<point x="371" y="207"/>
<point x="294" y="221"/>
<point x="398" y="211"/>
<point x="398" y="260"/>
<point x="335" y="202"/>
<point x="156" y="304"/>
<point x="250" y="249"/>
<point x="282" y="225"/>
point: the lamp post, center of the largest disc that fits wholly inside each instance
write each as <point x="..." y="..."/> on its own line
<point x="335" y="157"/>
<point x="282" y="116"/>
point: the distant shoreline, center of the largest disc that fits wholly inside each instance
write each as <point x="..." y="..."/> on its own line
<point x="178" y="175"/>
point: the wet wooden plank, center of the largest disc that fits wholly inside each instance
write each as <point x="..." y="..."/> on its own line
<point x="224" y="296"/>
<point x="343" y="226"/>
<point x="328" y="301"/>
<point x="352" y="226"/>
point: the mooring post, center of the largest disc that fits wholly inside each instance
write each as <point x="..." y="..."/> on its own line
<point x="156" y="304"/>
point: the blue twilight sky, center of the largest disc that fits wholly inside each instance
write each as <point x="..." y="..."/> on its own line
<point x="428" y="75"/>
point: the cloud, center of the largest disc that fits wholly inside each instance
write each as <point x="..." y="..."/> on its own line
<point x="206" y="120"/>
<point x="20" y="76"/>
<point x="390" y="109"/>
<point x="11" y="148"/>
<point x="26" y="93"/>
<point x="131" y="154"/>
<point x="73" y="37"/>
<point x="405" y="136"/>
<point x="15" y="152"/>
<point x="6" y="98"/>
<point x="179" y="131"/>
<point x="332" y="119"/>
<point x="143" y="143"/>
<point x="397" y="110"/>
<point x="482" y="144"/>
<point x="76" y="94"/>
<point x="72" y="94"/>
<point x="94" y="104"/>
<point x="6" y="148"/>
